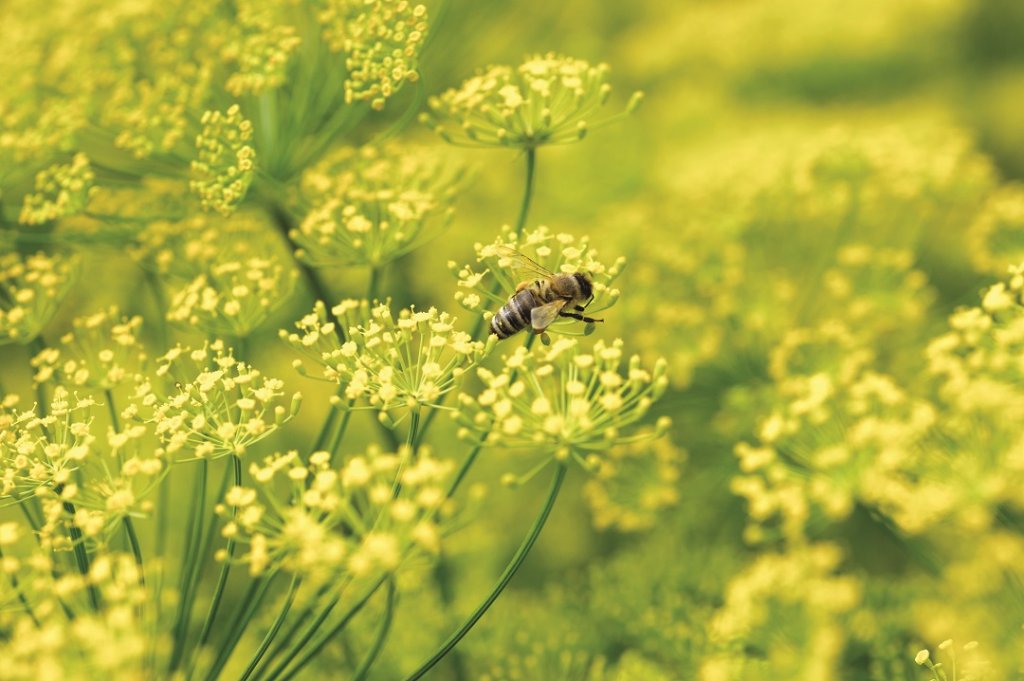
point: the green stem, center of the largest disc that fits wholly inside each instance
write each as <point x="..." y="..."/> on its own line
<point x="524" y="212"/>
<point x="290" y="634"/>
<point x="373" y="284"/>
<point x="225" y="568"/>
<point x="243" y="615"/>
<point x="531" y="171"/>
<point x="81" y="554"/>
<point x="289" y="600"/>
<point x="318" y="646"/>
<point x="115" y="422"/>
<point x="189" y="567"/>
<point x="382" y="634"/>
<point x="21" y="595"/>
<point x="339" y="433"/>
<point x="506" y="577"/>
<point x="133" y="541"/>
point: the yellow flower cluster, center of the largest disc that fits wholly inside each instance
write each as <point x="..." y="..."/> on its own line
<point x="57" y="461"/>
<point x="225" y="166"/>
<point x="633" y="483"/>
<point x="362" y="518"/>
<point x="796" y="600"/>
<point x="381" y="40"/>
<point x="31" y="288"/>
<point x="219" y="406"/>
<point x="996" y="237"/>
<point x="104" y="351"/>
<point x="564" y="403"/>
<point x="62" y="189"/>
<point x="392" y="363"/>
<point x="839" y="435"/>
<point x="370" y="205"/>
<point x="550" y="252"/>
<point x="112" y="643"/>
<point x="548" y="99"/>
<point x="261" y="52"/>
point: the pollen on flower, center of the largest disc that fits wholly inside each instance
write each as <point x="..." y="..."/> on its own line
<point x="32" y="287"/>
<point x="60" y="190"/>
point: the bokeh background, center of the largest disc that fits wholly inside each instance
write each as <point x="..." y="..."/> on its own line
<point x="810" y="188"/>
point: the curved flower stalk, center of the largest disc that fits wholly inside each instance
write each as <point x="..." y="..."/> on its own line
<point x="548" y="99"/>
<point x="562" y="403"/>
<point x="219" y="406"/>
<point x="113" y="642"/>
<point x="486" y="290"/>
<point x="79" y="479"/>
<point x="103" y="352"/>
<point x="365" y="518"/>
<point x="393" y="364"/>
<point x="60" y="190"/>
<point x="31" y="288"/>
<point x="370" y="205"/>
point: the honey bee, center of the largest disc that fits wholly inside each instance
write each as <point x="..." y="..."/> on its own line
<point x="538" y="302"/>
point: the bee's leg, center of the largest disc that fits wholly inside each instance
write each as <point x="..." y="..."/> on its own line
<point x="573" y="315"/>
<point x="578" y="308"/>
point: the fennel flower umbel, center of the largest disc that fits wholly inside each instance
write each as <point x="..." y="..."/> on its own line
<point x="565" y="402"/>
<point x="548" y="99"/>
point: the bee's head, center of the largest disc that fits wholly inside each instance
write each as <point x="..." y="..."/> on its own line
<point x="585" y="283"/>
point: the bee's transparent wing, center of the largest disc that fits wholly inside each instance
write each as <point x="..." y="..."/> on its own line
<point x="542" y="316"/>
<point x="523" y="266"/>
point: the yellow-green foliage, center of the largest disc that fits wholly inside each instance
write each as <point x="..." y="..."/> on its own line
<point x="252" y="424"/>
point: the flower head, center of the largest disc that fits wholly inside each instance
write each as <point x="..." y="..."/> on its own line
<point x="61" y="189"/>
<point x="996" y="237"/>
<point x="548" y="99"/>
<point x="382" y="40"/>
<point x="563" y="402"/>
<point x="364" y="517"/>
<point x="219" y="406"/>
<point x="371" y="205"/>
<point x="31" y="288"/>
<point x="554" y="252"/>
<point x="102" y="352"/>
<point x="392" y="363"/>
<point x="75" y="475"/>
<point x="226" y="160"/>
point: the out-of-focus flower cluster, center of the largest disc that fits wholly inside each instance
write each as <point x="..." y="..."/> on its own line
<point x="103" y="352"/>
<point x="564" y="403"/>
<point x="393" y="364"/>
<point x="216" y="405"/>
<point x="370" y="205"/>
<point x="113" y="642"/>
<point x="365" y="517"/>
<point x="486" y="290"/>
<point x="60" y="190"/>
<point x="548" y="99"/>
<point x="32" y="286"/>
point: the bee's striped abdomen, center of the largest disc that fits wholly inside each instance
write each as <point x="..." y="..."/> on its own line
<point x="514" y="316"/>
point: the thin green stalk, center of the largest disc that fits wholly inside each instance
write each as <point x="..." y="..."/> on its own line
<point x="382" y="634"/>
<point x="290" y="634"/>
<point x="506" y="577"/>
<point x="189" y="567"/>
<point x="339" y="432"/>
<point x="133" y="542"/>
<point x="373" y="283"/>
<point x="318" y="646"/>
<point x="321" y="438"/>
<point x="243" y="615"/>
<point x="21" y="596"/>
<point x="81" y="554"/>
<point x="524" y="212"/>
<point x="225" y="568"/>
<point x="275" y="627"/>
<point x="35" y="347"/>
<point x="115" y="422"/>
